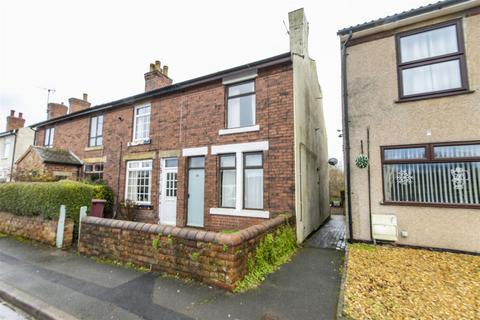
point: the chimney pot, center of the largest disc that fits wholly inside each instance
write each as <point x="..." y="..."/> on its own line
<point x="85" y="97"/>
<point x="12" y="113"/>
<point x="20" y="115"/>
<point x="157" y="77"/>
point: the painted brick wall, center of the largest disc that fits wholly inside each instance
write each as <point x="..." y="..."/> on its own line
<point x="190" y="119"/>
<point x="35" y="228"/>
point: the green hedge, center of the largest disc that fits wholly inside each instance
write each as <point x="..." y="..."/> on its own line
<point x="45" y="198"/>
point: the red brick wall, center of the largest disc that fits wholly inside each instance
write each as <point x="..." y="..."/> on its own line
<point x="191" y="119"/>
<point x="31" y="161"/>
<point x="215" y="258"/>
<point x="35" y="228"/>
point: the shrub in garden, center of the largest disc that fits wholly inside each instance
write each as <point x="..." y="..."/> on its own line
<point x="45" y="198"/>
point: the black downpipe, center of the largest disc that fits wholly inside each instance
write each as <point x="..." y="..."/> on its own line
<point x="346" y="135"/>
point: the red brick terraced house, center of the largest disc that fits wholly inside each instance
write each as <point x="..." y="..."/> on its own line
<point x="222" y="151"/>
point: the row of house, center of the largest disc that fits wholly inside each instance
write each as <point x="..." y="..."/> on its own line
<point x="222" y="151"/>
<point x="235" y="147"/>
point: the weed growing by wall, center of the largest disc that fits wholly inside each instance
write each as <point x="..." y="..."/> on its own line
<point x="275" y="249"/>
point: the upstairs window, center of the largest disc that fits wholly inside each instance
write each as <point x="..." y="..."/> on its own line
<point x="141" y="125"/>
<point x="431" y="61"/>
<point x="6" y="148"/>
<point x="439" y="174"/>
<point x="49" y="133"/>
<point x="96" y="131"/>
<point x="241" y="105"/>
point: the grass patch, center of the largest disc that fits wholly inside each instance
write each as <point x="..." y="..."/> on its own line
<point x="2" y="235"/>
<point x="274" y="250"/>
<point x="385" y="282"/>
<point x="128" y="265"/>
<point x="229" y="231"/>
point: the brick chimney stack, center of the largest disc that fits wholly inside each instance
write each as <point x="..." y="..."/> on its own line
<point x="15" y="122"/>
<point x="55" y="110"/>
<point x="157" y="77"/>
<point x="79" y="104"/>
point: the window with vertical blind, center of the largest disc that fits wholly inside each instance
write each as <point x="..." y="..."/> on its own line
<point x="431" y="60"/>
<point x="432" y="174"/>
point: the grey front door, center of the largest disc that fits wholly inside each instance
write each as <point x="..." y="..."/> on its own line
<point x="196" y="188"/>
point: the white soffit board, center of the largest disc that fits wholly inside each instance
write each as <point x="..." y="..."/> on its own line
<point x="240" y="147"/>
<point x="239" y="77"/>
<point x="199" y="151"/>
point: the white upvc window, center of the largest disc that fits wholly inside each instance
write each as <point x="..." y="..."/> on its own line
<point x="49" y="133"/>
<point x="253" y="180"/>
<point x="139" y="182"/>
<point x="141" y="123"/>
<point x="241" y="105"/>
<point x="241" y="171"/>
<point x="6" y="148"/>
<point x="228" y="177"/>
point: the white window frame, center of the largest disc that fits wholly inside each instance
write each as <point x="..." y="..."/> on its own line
<point x="49" y="135"/>
<point x="240" y="128"/>
<point x="135" y="117"/>
<point x="140" y="168"/>
<point x="239" y="149"/>
<point x="6" y="148"/>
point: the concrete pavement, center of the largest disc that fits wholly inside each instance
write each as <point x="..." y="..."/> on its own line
<point x="306" y="288"/>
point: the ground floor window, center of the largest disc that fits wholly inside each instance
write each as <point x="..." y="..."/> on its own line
<point x="138" y="184"/>
<point x="93" y="172"/>
<point x="442" y="173"/>
<point x="3" y="175"/>
<point x="228" y="181"/>
<point x="253" y="180"/>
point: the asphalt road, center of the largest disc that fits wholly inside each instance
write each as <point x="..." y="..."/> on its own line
<point x="306" y="288"/>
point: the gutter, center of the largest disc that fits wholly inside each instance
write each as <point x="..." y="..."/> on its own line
<point x="346" y="136"/>
<point x="395" y="19"/>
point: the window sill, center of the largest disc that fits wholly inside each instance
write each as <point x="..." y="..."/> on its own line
<point x="240" y="213"/>
<point x="139" y="142"/>
<point x="434" y="205"/>
<point x="434" y="96"/>
<point x="222" y="132"/>
<point x="94" y="148"/>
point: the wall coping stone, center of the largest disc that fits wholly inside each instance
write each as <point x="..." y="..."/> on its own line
<point x="231" y="239"/>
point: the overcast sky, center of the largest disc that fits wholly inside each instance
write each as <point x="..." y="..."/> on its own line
<point x="103" y="48"/>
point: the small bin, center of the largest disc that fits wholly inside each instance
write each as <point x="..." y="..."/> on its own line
<point x="97" y="208"/>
